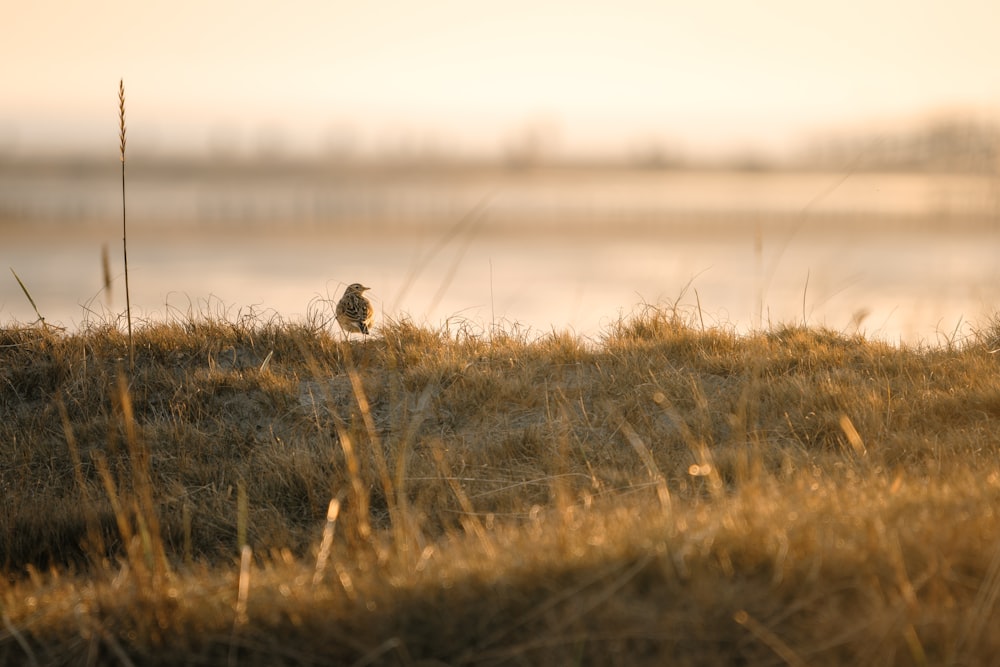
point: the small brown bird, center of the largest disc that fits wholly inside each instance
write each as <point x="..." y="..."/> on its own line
<point x="354" y="311"/>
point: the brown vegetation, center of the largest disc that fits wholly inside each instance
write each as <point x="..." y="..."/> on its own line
<point x="259" y="492"/>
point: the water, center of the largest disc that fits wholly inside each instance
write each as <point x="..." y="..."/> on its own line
<point x="898" y="256"/>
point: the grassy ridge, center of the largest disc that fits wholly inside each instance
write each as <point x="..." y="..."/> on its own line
<point x="666" y="493"/>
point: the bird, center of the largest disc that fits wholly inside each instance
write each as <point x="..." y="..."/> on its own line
<point x="354" y="311"/>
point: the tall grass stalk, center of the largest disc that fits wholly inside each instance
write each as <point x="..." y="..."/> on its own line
<point x="128" y="302"/>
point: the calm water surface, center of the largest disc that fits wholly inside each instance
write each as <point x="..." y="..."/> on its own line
<point x="902" y="257"/>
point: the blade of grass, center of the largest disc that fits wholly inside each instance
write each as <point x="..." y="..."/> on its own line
<point x="27" y="294"/>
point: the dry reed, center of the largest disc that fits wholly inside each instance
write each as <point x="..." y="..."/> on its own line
<point x="128" y="301"/>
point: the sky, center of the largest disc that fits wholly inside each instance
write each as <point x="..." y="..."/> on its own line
<point x="472" y="76"/>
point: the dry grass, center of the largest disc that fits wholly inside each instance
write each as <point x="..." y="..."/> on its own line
<point x="663" y="495"/>
<point x="121" y="147"/>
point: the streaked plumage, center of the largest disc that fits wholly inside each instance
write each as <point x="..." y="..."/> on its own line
<point x="354" y="311"/>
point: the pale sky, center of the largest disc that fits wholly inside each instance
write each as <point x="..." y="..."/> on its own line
<point x="466" y="75"/>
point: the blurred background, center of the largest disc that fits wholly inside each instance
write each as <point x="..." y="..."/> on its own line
<point x="554" y="165"/>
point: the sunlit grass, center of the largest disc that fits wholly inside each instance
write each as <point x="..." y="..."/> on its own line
<point x="665" y="494"/>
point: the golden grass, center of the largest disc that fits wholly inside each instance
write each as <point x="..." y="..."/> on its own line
<point x="258" y="492"/>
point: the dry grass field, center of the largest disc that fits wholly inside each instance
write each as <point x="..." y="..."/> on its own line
<point x="260" y="492"/>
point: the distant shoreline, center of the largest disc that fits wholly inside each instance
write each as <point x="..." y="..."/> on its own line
<point x="249" y="197"/>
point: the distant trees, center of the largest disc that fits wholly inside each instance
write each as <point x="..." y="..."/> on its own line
<point x="950" y="144"/>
